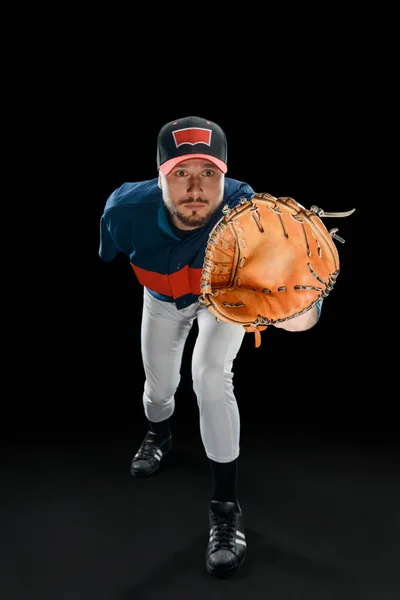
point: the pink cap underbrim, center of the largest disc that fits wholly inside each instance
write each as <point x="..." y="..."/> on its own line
<point x="170" y="164"/>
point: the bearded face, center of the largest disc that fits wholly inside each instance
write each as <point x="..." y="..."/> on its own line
<point x="192" y="192"/>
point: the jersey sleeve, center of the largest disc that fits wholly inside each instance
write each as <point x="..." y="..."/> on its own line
<point x="238" y="190"/>
<point x="108" y="248"/>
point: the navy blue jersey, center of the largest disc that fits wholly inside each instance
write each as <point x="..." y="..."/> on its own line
<point x="167" y="262"/>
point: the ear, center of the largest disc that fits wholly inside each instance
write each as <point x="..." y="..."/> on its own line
<point x="159" y="181"/>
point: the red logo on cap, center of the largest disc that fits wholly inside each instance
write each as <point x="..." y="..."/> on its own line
<point x="192" y="136"/>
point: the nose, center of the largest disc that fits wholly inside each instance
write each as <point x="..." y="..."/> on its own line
<point x="194" y="187"/>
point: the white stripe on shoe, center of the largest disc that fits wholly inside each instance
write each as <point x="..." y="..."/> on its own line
<point x="158" y="454"/>
<point x="240" y="537"/>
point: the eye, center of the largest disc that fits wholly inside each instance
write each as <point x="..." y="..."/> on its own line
<point x="209" y="173"/>
<point x="180" y="173"/>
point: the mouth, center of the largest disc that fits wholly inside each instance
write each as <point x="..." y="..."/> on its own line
<point x="195" y="205"/>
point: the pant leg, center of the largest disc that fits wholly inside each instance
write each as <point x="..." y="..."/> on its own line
<point x="164" y="331"/>
<point x="215" y="350"/>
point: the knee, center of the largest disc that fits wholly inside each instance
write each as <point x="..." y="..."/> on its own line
<point x="209" y="380"/>
<point x="158" y="395"/>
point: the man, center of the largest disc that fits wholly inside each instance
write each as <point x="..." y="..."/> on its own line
<point x="163" y="225"/>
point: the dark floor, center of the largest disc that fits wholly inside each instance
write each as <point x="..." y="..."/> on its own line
<point x="321" y="508"/>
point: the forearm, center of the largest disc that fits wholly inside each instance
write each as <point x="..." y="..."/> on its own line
<point x="302" y="322"/>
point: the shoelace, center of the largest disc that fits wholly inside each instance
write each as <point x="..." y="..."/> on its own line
<point x="224" y="531"/>
<point x="147" y="450"/>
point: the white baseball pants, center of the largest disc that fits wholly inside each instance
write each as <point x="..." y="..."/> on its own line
<point x="164" y="331"/>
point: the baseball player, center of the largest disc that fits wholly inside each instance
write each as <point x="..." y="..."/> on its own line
<point x="162" y="225"/>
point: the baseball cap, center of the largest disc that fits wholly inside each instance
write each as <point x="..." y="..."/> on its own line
<point x="191" y="137"/>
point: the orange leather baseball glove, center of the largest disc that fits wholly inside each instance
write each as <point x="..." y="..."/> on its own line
<point x="268" y="260"/>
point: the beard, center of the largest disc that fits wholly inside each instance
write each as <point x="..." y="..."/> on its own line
<point x="193" y="219"/>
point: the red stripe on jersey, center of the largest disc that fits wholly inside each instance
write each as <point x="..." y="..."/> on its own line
<point x="184" y="281"/>
<point x="154" y="281"/>
<point x="195" y="278"/>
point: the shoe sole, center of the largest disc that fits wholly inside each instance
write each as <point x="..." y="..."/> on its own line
<point x="144" y="473"/>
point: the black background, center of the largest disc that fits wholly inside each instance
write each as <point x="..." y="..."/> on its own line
<point x="319" y="431"/>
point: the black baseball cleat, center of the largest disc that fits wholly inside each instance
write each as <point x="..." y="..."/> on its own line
<point x="147" y="459"/>
<point x="226" y="548"/>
